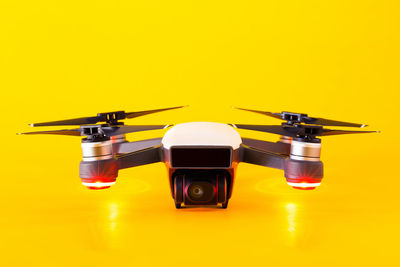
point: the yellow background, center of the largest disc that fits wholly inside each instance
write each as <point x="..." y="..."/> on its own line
<point x="65" y="59"/>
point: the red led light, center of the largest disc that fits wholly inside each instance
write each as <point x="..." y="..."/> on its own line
<point x="304" y="176"/>
<point x="99" y="175"/>
<point x="98" y="185"/>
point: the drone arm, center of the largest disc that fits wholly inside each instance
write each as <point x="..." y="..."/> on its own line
<point x="299" y="174"/>
<point x="141" y="157"/>
<point x="278" y="147"/>
<point x="262" y="158"/>
<point x="129" y="147"/>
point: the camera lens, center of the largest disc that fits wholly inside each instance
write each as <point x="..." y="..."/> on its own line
<point x="196" y="191"/>
<point x="200" y="191"/>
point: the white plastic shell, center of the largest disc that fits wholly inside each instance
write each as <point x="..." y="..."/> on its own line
<point x="202" y="134"/>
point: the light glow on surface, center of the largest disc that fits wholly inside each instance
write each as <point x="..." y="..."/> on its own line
<point x="304" y="185"/>
<point x="113" y="214"/>
<point x="98" y="184"/>
<point x="291" y="209"/>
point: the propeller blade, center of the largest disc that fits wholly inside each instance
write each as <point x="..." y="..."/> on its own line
<point x="71" y="132"/>
<point x="278" y="147"/>
<point x="125" y="129"/>
<point x="107" y="130"/>
<point x="110" y="118"/>
<point x="337" y="132"/>
<point x="274" y="129"/>
<point x="293" y="131"/>
<point x="326" y="122"/>
<point x="130" y="115"/>
<point x="77" y="121"/>
<point x="304" y="118"/>
<point x="271" y="114"/>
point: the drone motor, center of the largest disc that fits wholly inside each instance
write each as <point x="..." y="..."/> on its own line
<point x="92" y="151"/>
<point x="309" y="150"/>
<point x="98" y="168"/>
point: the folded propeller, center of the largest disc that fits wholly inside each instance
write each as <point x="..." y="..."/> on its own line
<point x="97" y="131"/>
<point x="111" y="118"/>
<point x="111" y="127"/>
<point x="297" y="125"/>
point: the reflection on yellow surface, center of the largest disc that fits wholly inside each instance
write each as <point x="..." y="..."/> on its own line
<point x="113" y="215"/>
<point x="109" y="226"/>
<point x="291" y="217"/>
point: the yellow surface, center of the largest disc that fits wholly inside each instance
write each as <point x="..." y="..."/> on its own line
<point x="335" y="59"/>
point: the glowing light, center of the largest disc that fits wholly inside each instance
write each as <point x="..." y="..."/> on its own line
<point x="291" y="210"/>
<point x="98" y="184"/>
<point x="304" y="185"/>
<point x="113" y="207"/>
<point x="113" y="214"/>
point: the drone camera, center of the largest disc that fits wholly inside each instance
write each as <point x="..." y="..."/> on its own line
<point x="200" y="187"/>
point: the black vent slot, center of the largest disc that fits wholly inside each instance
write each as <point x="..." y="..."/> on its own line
<point x="201" y="157"/>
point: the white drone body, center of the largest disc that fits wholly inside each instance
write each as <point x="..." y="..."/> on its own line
<point x="201" y="134"/>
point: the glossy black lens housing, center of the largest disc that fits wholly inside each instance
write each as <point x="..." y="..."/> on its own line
<point x="201" y="187"/>
<point x="200" y="191"/>
<point x="201" y="157"/>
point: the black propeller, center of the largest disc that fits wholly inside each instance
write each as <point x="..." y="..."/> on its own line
<point x="111" y="118"/>
<point x="292" y="118"/>
<point x="297" y="130"/>
<point x="102" y="130"/>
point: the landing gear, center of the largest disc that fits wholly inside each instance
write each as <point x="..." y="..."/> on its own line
<point x="224" y="205"/>
<point x="178" y="191"/>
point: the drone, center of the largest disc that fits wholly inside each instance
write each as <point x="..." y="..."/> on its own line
<point x="201" y="157"/>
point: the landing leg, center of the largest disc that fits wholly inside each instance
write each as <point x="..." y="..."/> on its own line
<point x="178" y="205"/>
<point x="225" y="205"/>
